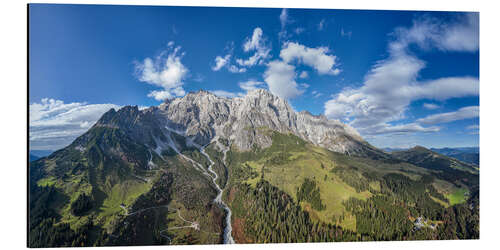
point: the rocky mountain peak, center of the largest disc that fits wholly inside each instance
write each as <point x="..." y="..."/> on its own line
<point x="203" y="117"/>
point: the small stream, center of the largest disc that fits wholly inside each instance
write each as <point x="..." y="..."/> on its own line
<point x="227" y="237"/>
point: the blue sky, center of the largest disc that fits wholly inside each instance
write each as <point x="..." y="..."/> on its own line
<point x="401" y="78"/>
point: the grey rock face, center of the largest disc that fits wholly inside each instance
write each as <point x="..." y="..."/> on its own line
<point x="203" y="116"/>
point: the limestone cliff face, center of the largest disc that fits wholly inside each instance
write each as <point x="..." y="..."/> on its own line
<point x="203" y="116"/>
<point x="245" y="121"/>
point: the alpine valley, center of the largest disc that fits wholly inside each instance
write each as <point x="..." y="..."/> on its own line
<point x="204" y="169"/>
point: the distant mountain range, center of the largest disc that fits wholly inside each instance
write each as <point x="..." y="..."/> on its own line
<point x="465" y="154"/>
<point x="430" y="159"/>
<point x="37" y="154"/>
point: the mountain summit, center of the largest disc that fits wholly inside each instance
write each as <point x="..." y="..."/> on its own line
<point x="203" y="117"/>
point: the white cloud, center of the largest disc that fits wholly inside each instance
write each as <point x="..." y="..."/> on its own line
<point x="462" y="35"/>
<point x="431" y="106"/>
<point x="391" y="85"/>
<point x="388" y="90"/>
<point x="256" y="43"/>
<point x="347" y="34"/>
<point x="160" y="95"/>
<point x="253" y="42"/>
<point x="316" y="94"/>
<point x="473" y="127"/>
<point x="321" y="25"/>
<point x="284" y="18"/>
<point x="199" y="78"/>
<point x="299" y="30"/>
<point x="221" y="62"/>
<point x="397" y="129"/>
<point x="317" y="58"/>
<point x="280" y="75"/>
<point x="250" y="85"/>
<point x="235" y="69"/>
<point x="225" y="61"/>
<point x="461" y="114"/>
<point x="446" y="87"/>
<point x="54" y="124"/>
<point x="168" y="73"/>
<point x="246" y="85"/>
<point x="280" y="78"/>
<point x="226" y="94"/>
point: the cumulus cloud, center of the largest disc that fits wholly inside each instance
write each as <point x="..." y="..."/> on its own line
<point x="221" y="62"/>
<point x="461" y="114"/>
<point x="250" y="85"/>
<point x="54" y="124"/>
<point x="280" y="78"/>
<point x="245" y="85"/>
<point x="225" y="62"/>
<point x="235" y="69"/>
<point x="256" y="43"/>
<point x="317" y="58"/>
<point x="227" y="94"/>
<point x="391" y="85"/>
<point x="431" y="106"/>
<point x="165" y="71"/>
<point x="280" y="75"/>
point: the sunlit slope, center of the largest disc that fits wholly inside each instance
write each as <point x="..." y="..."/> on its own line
<point x="95" y="185"/>
<point x="290" y="161"/>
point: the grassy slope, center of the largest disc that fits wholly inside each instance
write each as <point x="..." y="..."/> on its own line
<point x="301" y="160"/>
<point x="114" y="178"/>
<point x="458" y="196"/>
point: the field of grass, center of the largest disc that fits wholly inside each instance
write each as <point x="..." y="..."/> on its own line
<point x="49" y="181"/>
<point x="206" y="233"/>
<point x="458" y="196"/>
<point x="442" y="203"/>
<point x="303" y="164"/>
<point x="454" y="194"/>
<point x="125" y="192"/>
